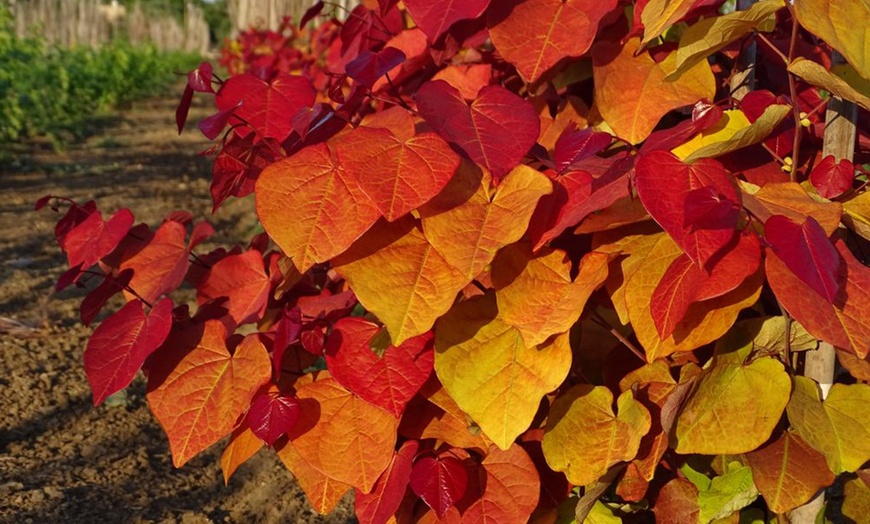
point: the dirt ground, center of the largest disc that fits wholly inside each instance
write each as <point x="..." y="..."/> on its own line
<point x="61" y="459"/>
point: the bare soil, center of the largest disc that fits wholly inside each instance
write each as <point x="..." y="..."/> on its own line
<point x="61" y="459"/>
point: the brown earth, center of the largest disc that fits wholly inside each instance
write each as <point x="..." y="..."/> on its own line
<point x="61" y="459"/>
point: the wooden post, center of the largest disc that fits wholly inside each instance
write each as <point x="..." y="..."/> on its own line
<point x="819" y="365"/>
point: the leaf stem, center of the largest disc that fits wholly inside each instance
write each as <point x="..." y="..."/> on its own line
<point x="601" y="321"/>
<point x="795" y="104"/>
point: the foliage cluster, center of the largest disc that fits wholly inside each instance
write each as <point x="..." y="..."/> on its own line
<point x="537" y="260"/>
<point x="49" y="90"/>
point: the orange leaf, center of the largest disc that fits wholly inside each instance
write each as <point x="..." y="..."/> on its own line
<point x="511" y="491"/>
<point x="323" y="492"/>
<point x="397" y="275"/>
<point x="242" y="446"/>
<point x="502" y="391"/>
<point x="242" y="280"/>
<point x="788" y="472"/>
<point x="703" y="322"/>
<point x="437" y="416"/>
<point x="398" y="174"/>
<point x="842" y="323"/>
<point x="632" y="93"/>
<point x="789" y="199"/>
<point x="198" y="398"/>
<point x="536" y="294"/>
<point x="311" y="207"/>
<point x="491" y="218"/>
<point x="678" y="503"/>
<point x="342" y="436"/>
<point x="536" y="34"/>
<point x="161" y="265"/>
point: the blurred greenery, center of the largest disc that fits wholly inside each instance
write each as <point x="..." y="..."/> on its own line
<point x="47" y="90"/>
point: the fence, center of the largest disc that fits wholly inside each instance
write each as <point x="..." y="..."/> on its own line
<point x="268" y="13"/>
<point x="93" y="23"/>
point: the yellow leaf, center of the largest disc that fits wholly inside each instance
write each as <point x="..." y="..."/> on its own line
<point x="849" y="86"/>
<point x="843" y="25"/>
<point x="791" y="200"/>
<point x="620" y="242"/>
<point x="703" y="322"/>
<point x="536" y="294"/>
<point x="712" y="34"/>
<point x="658" y="15"/>
<point x="503" y="388"/>
<point x="583" y="437"/>
<point x="470" y="220"/>
<point x="856" y="503"/>
<point x="839" y="427"/>
<point x="857" y="214"/>
<point x="734" y="407"/>
<point x="632" y="91"/>
<point x="732" y="132"/>
<point x="397" y="275"/>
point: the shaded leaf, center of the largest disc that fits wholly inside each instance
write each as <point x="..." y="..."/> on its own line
<point x="678" y="503"/>
<point x="159" y="267"/>
<point x="369" y="66"/>
<point x="93" y="238"/>
<point x="511" y="492"/>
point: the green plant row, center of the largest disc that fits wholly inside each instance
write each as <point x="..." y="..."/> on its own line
<point x="47" y="90"/>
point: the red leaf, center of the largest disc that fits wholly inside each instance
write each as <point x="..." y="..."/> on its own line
<point x="326" y="305"/>
<point x="369" y="66"/>
<point x="271" y="415"/>
<point x="807" y="252"/>
<point x="440" y="481"/>
<point x="120" y="345"/>
<point x="831" y="178"/>
<point x="384" y="500"/>
<point x="200" y="78"/>
<point x="664" y="183"/>
<point x="266" y="108"/>
<point x="389" y="381"/>
<point x="243" y="281"/>
<point x="183" y="108"/>
<point x="781" y="140"/>
<point x="574" y="145"/>
<point x="311" y="13"/>
<point x="96" y="299"/>
<point x="398" y="174"/>
<point x="92" y="239"/>
<point x="42" y="202"/>
<point x="286" y="332"/>
<point x="496" y="130"/>
<point x="436" y="17"/>
<point x="212" y="126"/>
<point x="75" y="215"/>
<point x="706" y="208"/>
